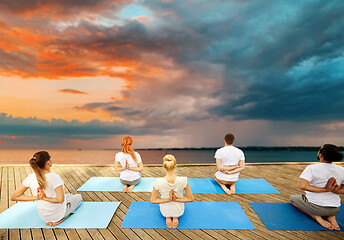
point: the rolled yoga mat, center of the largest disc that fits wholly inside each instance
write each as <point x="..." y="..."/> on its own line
<point x="88" y="215"/>
<point x="197" y="215"/>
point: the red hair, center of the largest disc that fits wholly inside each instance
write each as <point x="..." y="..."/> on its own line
<point x="126" y="147"/>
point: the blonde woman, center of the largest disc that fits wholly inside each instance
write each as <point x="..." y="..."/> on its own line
<point x="129" y="164"/>
<point x="48" y="188"/>
<point x="171" y="189"/>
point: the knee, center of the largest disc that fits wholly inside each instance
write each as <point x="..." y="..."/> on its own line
<point x="78" y="197"/>
<point x="293" y="198"/>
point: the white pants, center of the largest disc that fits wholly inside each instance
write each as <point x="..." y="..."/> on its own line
<point x="72" y="203"/>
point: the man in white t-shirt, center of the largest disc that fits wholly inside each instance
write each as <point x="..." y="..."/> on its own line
<point x="230" y="162"/>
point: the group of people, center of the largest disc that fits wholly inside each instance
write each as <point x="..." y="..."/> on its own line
<point x="322" y="182"/>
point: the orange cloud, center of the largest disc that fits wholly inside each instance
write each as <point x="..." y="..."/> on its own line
<point x="57" y="10"/>
<point x="72" y="91"/>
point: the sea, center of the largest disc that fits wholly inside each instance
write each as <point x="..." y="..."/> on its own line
<point x="149" y="156"/>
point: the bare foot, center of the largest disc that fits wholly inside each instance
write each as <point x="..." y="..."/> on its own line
<point x="169" y="222"/>
<point x="333" y="221"/>
<point x="229" y="192"/>
<point x="175" y="223"/>
<point x="232" y="187"/>
<point x="53" y="224"/>
<point x="130" y="188"/>
<point x="125" y="188"/>
<point x="323" y="222"/>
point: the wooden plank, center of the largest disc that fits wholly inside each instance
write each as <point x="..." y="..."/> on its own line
<point x="4" y="233"/>
<point x="283" y="177"/>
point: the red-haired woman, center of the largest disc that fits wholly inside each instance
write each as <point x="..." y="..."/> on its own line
<point x="129" y="164"/>
<point x="48" y="188"/>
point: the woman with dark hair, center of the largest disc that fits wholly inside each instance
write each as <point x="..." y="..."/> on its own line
<point x="322" y="182"/>
<point x="53" y="205"/>
<point x="129" y="164"/>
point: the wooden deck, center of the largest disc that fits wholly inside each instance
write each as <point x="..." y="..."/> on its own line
<point x="283" y="177"/>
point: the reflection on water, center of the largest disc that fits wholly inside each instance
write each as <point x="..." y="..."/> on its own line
<point x="22" y="156"/>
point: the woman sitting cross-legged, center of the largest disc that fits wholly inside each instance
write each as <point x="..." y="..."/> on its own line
<point x="322" y="182"/>
<point x="171" y="189"/>
<point x="48" y="188"/>
<point x="129" y="164"/>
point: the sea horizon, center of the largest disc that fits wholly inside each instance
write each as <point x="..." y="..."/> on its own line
<point x="154" y="156"/>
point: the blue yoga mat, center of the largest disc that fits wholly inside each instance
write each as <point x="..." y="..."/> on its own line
<point x="242" y="186"/>
<point x="197" y="215"/>
<point x="88" y="215"/>
<point x="284" y="216"/>
<point x="112" y="184"/>
<point x="197" y="185"/>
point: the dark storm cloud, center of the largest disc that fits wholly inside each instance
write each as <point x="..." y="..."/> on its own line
<point x="17" y="126"/>
<point x="276" y="57"/>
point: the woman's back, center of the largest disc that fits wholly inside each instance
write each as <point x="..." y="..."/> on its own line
<point x="49" y="212"/>
<point x="164" y="187"/>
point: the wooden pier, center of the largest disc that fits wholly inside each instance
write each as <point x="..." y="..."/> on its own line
<point x="284" y="177"/>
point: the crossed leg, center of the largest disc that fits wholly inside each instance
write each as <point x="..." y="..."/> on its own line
<point x="223" y="184"/>
<point x="325" y="223"/>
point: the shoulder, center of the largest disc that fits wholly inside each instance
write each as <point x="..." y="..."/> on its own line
<point x="119" y="156"/>
<point x="158" y="183"/>
<point x="182" y="179"/>
<point x="238" y="149"/>
<point x="219" y="151"/>
<point x="30" y="177"/>
<point x="138" y="156"/>
<point x="53" y="176"/>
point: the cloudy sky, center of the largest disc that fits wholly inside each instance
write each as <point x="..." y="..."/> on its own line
<point x="84" y="73"/>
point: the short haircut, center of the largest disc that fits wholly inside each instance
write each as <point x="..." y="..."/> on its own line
<point x="229" y="138"/>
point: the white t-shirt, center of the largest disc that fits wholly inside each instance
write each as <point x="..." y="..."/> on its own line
<point x="128" y="175"/>
<point x="318" y="176"/>
<point x="49" y="212"/>
<point x="171" y="209"/>
<point x="230" y="156"/>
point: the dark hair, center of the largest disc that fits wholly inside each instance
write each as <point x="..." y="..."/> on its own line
<point x="331" y="153"/>
<point x="229" y="138"/>
<point x="37" y="163"/>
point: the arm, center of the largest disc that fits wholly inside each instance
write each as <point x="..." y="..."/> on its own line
<point x="118" y="168"/>
<point x="219" y="165"/>
<point x="238" y="169"/>
<point x="137" y="169"/>
<point x="339" y="190"/>
<point x="188" y="198"/>
<point x="155" y="199"/>
<point x="304" y="185"/>
<point x="18" y="195"/>
<point x="334" y="187"/>
<point x="59" y="195"/>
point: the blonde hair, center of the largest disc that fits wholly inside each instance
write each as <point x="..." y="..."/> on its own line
<point x="169" y="162"/>
<point x="37" y="163"/>
<point x="126" y="147"/>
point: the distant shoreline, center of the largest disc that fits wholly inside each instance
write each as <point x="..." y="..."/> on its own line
<point x="249" y="148"/>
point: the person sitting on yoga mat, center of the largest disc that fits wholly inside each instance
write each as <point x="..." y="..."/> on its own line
<point x="230" y="161"/>
<point x="171" y="189"/>
<point x="53" y="204"/>
<point x="129" y="163"/>
<point x="322" y="182"/>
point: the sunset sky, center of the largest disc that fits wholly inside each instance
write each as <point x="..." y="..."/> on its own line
<point x="84" y="73"/>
